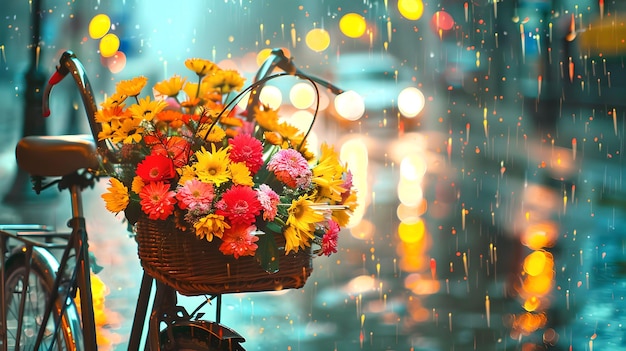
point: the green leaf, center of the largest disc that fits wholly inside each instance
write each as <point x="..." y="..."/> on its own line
<point x="267" y="253"/>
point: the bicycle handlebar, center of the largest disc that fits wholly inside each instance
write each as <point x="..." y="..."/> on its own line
<point x="69" y="63"/>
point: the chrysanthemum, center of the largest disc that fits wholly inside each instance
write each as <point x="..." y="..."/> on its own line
<point x="303" y="216"/>
<point x="240" y="205"/>
<point x="269" y="201"/>
<point x="131" y="87"/>
<point x="170" y="87"/>
<point x="116" y="200"/>
<point x="245" y="148"/>
<point x="212" y="167"/>
<point x="157" y="200"/>
<point x="239" y="241"/>
<point x="202" y="67"/>
<point x="329" y="240"/>
<point x="145" y="109"/>
<point x="195" y="195"/>
<point x="290" y="168"/>
<point x="240" y="174"/>
<point x="209" y="226"/>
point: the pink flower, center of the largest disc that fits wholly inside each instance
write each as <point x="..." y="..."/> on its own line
<point x="329" y="240"/>
<point x="195" y="195"/>
<point x="246" y="149"/>
<point x="239" y="205"/>
<point x="269" y="201"/>
<point x="157" y="200"/>
<point x="239" y="241"/>
<point x="291" y="168"/>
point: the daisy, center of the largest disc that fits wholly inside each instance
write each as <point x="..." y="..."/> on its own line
<point x="145" y="109"/>
<point x="302" y="215"/>
<point x="116" y="200"/>
<point x="170" y="87"/>
<point x="131" y="87"/>
<point x="157" y="200"/>
<point x="156" y="167"/>
<point x="212" y="167"/>
<point x="202" y="67"/>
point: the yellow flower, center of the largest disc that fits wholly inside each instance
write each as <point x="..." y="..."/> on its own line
<point x="131" y="87"/>
<point x="186" y="173"/>
<point x="273" y="138"/>
<point x="209" y="226"/>
<point x="241" y="174"/>
<point x="212" y="167"/>
<point x="302" y="216"/>
<point x="328" y="175"/>
<point x="116" y="199"/>
<point x="137" y="185"/>
<point x="170" y="87"/>
<point x="343" y="217"/>
<point x="217" y="133"/>
<point x="225" y="81"/>
<point x="114" y="100"/>
<point x="292" y="239"/>
<point x="202" y="67"/>
<point x="130" y="131"/>
<point x="113" y="112"/>
<point x="145" y="109"/>
<point x="266" y="118"/>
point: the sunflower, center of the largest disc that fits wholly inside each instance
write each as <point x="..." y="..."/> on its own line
<point x="212" y="167"/>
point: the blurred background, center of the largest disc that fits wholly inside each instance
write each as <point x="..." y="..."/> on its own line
<point x="488" y="160"/>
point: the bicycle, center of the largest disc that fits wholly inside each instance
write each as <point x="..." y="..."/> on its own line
<point x="39" y="288"/>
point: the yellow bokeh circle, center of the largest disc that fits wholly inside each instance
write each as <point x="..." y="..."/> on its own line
<point x="99" y="26"/>
<point x="411" y="9"/>
<point x="109" y="44"/>
<point x="317" y="39"/>
<point x="352" y="25"/>
<point x="412" y="232"/>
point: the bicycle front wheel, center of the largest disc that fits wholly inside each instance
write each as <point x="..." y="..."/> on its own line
<point x="36" y="289"/>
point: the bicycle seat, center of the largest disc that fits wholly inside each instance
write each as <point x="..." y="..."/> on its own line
<point x="56" y="156"/>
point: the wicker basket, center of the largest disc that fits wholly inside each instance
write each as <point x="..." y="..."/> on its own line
<point x="195" y="266"/>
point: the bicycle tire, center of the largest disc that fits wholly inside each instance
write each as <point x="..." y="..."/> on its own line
<point x="195" y="336"/>
<point x="40" y="282"/>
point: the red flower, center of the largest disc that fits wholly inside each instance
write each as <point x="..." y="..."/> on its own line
<point x="239" y="205"/>
<point x="329" y="240"/>
<point x="239" y="241"/>
<point x="176" y="148"/>
<point x="248" y="150"/>
<point x="157" y="200"/>
<point x="155" y="168"/>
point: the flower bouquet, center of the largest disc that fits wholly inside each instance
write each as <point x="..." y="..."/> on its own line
<point x="222" y="199"/>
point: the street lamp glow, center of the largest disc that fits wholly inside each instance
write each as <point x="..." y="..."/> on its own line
<point x="350" y="105"/>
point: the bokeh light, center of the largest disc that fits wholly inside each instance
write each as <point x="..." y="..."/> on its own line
<point x="317" y="39"/>
<point x="411" y="232"/>
<point x="442" y="21"/>
<point x="302" y="95"/>
<point x="411" y="9"/>
<point x="411" y="102"/>
<point x="271" y="96"/>
<point x="109" y="45"/>
<point x="352" y="25"/>
<point x="99" y="26"/>
<point x="350" y="105"/>
<point x="413" y="167"/>
<point x="115" y="63"/>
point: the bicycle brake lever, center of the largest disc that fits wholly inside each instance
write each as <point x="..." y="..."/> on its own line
<point x="60" y="73"/>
